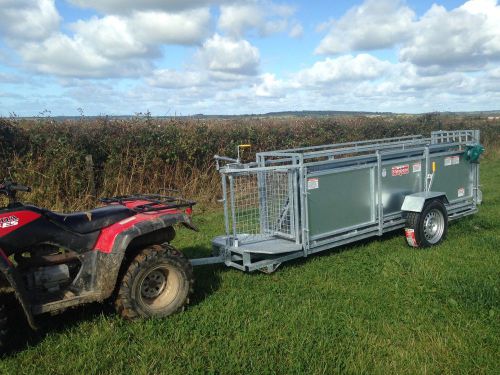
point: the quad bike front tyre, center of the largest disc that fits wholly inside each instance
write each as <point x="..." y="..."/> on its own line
<point x="429" y="227"/>
<point x="157" y="283"/>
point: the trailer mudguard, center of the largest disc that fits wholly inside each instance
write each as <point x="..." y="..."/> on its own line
<point x="10" y="274"/>
<point x="415" y="202"/>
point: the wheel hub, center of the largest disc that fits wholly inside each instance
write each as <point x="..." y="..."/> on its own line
<point x="433" y="226"/>
<point x="153" y="284"/>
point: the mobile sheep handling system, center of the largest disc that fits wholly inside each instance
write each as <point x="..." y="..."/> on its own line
<point x="287" y="204"/>
<point x="293" y="203"/>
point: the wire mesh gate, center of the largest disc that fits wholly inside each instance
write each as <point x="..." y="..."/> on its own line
<point x="261" y="204"/>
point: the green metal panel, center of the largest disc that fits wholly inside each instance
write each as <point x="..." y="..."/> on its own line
<point x="453" y="173"/>
<point x="398" y="180"/>
<point x="340" y="200"/>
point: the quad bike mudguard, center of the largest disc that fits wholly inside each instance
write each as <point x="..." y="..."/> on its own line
<point x="11" y="276"/>
<point x="115" y="240"/>
<point x="98" y="276"/>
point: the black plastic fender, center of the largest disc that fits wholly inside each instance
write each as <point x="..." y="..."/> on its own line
<point x="110" y="263"/>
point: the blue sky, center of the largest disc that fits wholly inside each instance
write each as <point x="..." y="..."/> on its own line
<point x="232" y="57"/>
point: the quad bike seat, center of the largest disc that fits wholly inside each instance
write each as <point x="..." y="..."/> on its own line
<point x="92" y="220"/>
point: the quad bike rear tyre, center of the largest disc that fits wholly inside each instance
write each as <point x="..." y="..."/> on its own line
<point x="157" y="283"/>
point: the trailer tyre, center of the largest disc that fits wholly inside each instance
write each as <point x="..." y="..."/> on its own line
<point x="429" y="227"/>
<point x="157" y="283"/>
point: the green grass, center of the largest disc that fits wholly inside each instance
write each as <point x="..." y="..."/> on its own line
<point x="376" y="307"/>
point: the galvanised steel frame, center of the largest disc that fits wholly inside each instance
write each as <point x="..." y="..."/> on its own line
<point x="336" y="194"/>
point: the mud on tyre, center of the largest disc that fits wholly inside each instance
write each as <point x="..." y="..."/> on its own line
<point x="157" y="283"/>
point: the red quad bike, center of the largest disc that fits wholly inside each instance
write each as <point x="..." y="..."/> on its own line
<point x="51" y="261"/>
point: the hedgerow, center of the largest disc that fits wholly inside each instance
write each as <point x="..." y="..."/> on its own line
<point x="144" y="154"/>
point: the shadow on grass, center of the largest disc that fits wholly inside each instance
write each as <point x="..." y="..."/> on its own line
<point x="22" y="336"/>
<point x="207" y="278"/>
<point x="353" y="246"/>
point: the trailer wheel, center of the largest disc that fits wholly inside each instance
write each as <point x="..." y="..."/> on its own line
<point x="157" y="284"/>
<point x="429" y="227"/>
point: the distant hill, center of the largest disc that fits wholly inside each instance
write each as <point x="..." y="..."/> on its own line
<point x="301" y="114"/>
<point x="284" y="114"/>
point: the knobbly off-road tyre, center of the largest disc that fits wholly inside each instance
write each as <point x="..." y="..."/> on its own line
<point x="157" y="283"/>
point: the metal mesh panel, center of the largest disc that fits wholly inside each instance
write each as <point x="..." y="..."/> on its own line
<point x="261" y="205"/>
<point x="443" y="136"/>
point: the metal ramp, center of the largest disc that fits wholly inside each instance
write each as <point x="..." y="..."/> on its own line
<point x="267" y="245"/>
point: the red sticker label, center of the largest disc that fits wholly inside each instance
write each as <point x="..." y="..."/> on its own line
<point x="400" y="170"/>
<point x="410" y="237"/>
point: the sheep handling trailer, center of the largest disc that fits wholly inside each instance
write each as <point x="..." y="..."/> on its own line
<point x="293" y="203"/>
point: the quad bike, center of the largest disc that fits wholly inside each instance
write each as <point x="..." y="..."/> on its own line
<point x="51" y="261"/>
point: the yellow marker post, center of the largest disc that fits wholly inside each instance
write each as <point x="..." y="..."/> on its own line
<point x="243" y="146"/>
<point x="433" y="166"/>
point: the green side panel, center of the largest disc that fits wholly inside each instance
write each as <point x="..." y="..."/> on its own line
<point x="340" y="200"/>
<point x="453" y="173"/>
<point x="399" y="180"/>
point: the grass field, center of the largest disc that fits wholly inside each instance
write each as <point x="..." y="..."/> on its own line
<point x="376" y="307"/>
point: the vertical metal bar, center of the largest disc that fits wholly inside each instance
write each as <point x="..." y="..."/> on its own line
<point x="373" y="192"/>
<point x="379" y="195"/>
<point x="303" y="206"/>
<point x="261" y="182"/>
<point x="233" y="210"/>
<point x="477" y="140"/>
<point x="427" y="166"/>
<point x="247" y="261"/>
<point x="296" y="198"/>
<point x="261" y="185"/>
<point x="224" y="198"/>
<point x="291" y="203"/>
<point x="422" y="175"/>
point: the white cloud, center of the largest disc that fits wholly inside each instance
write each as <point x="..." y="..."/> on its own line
<point x="237" y="18"/>
<point x="266" y="18"/>
<point x="141" y="32"/>
<point x="112" y="45"/>
<point x="107" y="37"/>
<point x="174" y="79"/>
<point x="64" y="56"/>
<point x="270" y="86"/>
<point x="375" y="24"/>
<point x="10" y="78"/>
<point x="465" y="38"/>
<point x="296" y="31"/>
<point x="343" y="68"/>
<point x="28" y="19"/>
<point x="229" y="58"/>
<point x="494" y="73"/>
<point x="126" y="6"/>
<point x="188" y="27"/>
